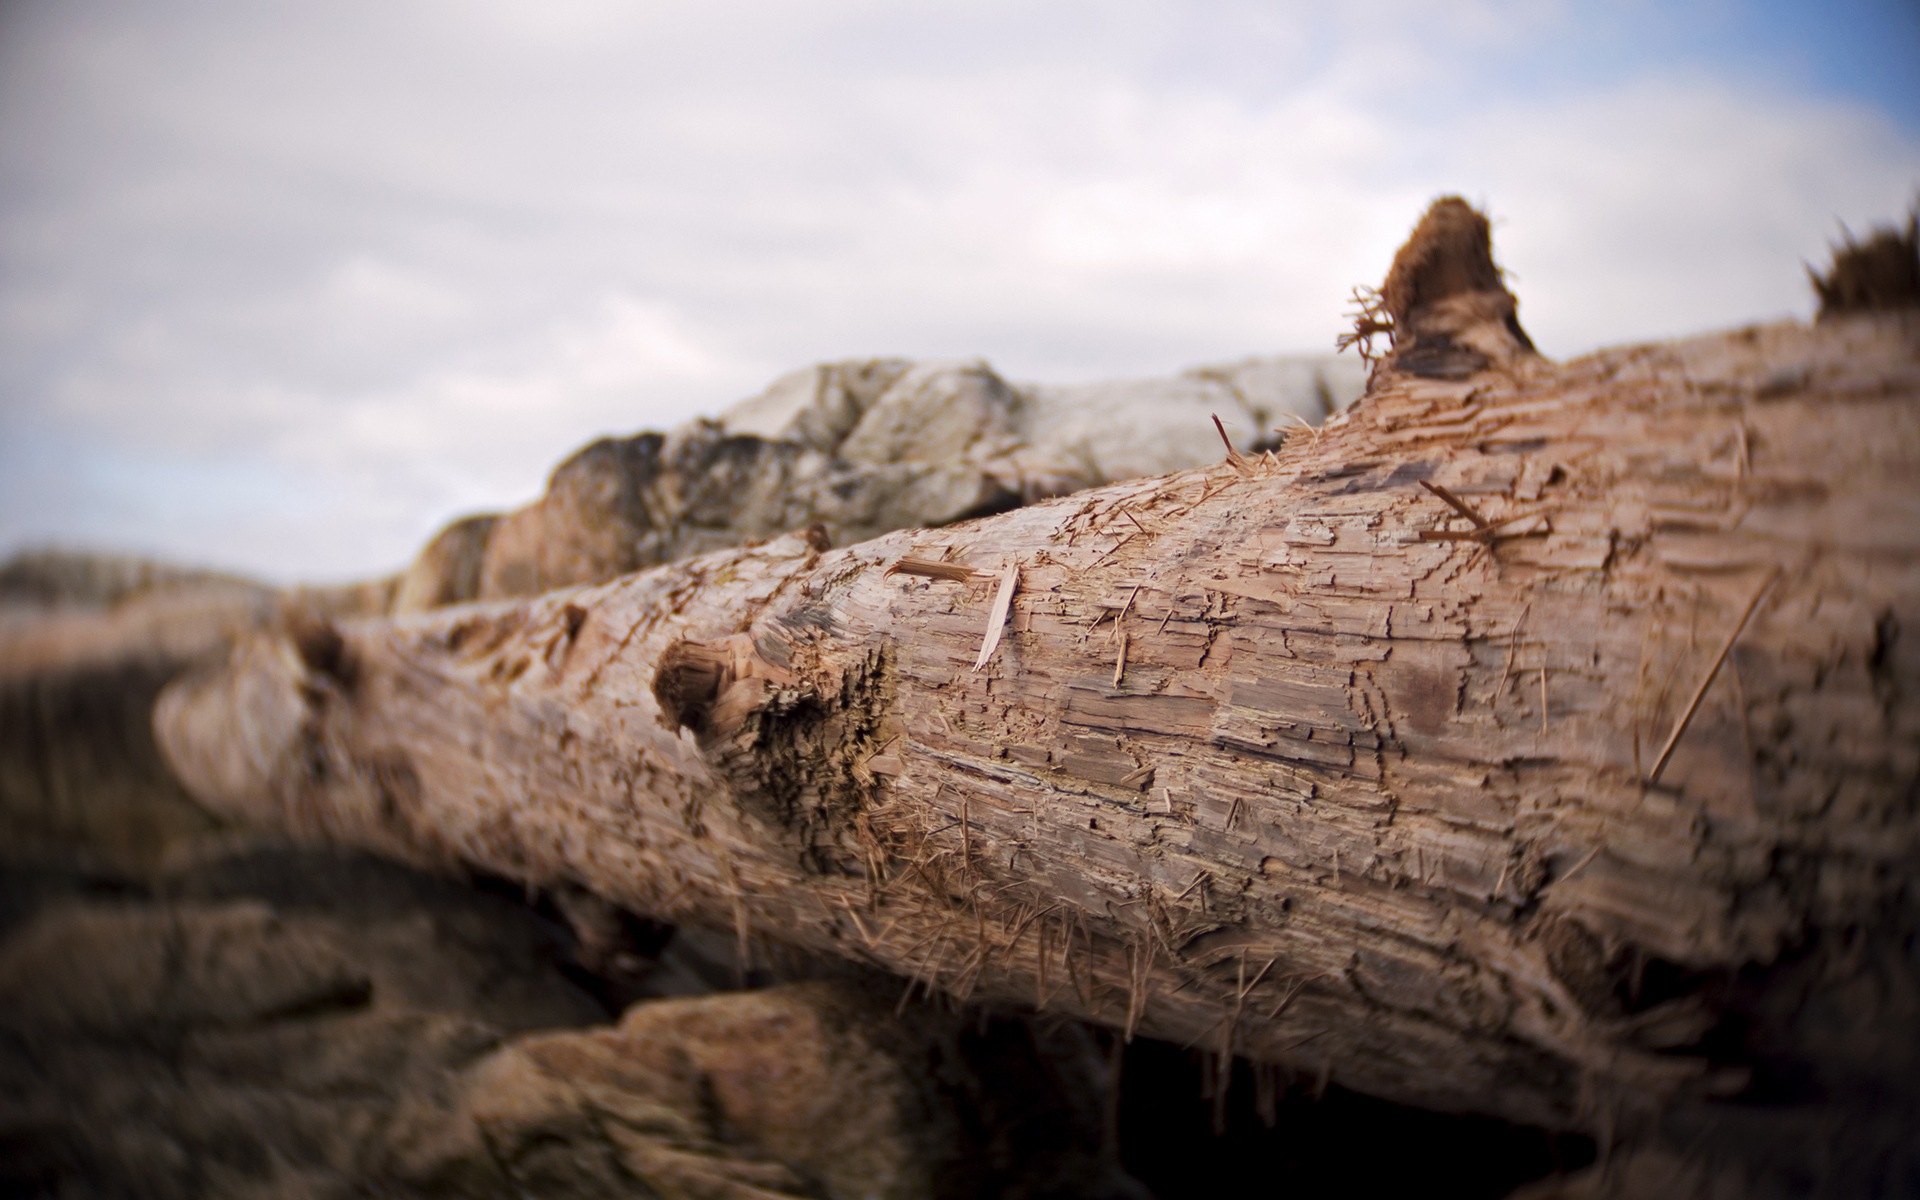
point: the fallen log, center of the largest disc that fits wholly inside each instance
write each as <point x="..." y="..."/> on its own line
<point x="1468" y="751"/>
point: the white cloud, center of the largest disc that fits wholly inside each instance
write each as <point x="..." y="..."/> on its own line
<point x="603" y="373"/>
<point x="1664" y="208"/>
<point x="356" y="267"/>
<point x="372" y="296"/>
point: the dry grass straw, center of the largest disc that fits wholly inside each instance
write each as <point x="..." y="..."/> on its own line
<point x="1581" y="865"/>
<point x="1238" y="459"/>
<point x="1706" y="681"/>
<point x="1139" y="971"/>
<point x="1483" y="530"/>
<point x="1513" y="644"/>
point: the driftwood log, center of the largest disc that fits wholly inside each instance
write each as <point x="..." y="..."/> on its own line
<point x="1467" y="751"/>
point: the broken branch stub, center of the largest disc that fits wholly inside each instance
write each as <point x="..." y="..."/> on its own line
<point x="1306" y="754"/>
<point x="1878" y="274"/>
<point x="1449" y="312"/>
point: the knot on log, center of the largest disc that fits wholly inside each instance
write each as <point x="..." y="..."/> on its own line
<point x="790" y="731"/>
<point x="711" y="687"/>
<point x="1450" y="311"/>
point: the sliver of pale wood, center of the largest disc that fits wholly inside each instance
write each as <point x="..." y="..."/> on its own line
<point x="1306" y="681"/>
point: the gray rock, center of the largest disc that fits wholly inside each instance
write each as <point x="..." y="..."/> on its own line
<point x="816" y="406"/>
<point x="1127" y="428"/>
<point x="586" y="528"/>
<point x="937" y="412"/>
<point x="860" y="448"/>
<point x="1311" y="387"/>
<point x="714" y="480"/>
<point x="1120" y="429"/>
<point x="857" y="503"/>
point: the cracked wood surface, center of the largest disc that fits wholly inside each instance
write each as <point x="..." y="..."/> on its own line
<point x="1356" y="800"/>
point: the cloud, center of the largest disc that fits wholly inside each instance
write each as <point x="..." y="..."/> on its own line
<point x="606" y="371"/>
<point x="337" y="485"/>
<point x="1662" y="208"/>
<point x="317" y="278"/>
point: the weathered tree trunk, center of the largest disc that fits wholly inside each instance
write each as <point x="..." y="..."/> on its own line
<point x="1285" y="757"/>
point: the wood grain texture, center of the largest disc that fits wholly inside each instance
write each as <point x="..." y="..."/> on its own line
<point x="1356" y="801"/>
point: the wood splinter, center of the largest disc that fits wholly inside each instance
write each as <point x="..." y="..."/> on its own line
<point x="997" y="616"/>
<point x="928" y="569"/>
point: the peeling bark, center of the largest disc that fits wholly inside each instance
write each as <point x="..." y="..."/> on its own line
<point x="1284" y="757"/>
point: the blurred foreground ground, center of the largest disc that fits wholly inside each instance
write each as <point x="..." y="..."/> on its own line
<point x="188" y="1009"/>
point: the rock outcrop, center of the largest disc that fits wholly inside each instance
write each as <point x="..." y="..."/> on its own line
<point x="448" y="570"/>
<point x="861" y="448"/>
<point x="590" y="522"/>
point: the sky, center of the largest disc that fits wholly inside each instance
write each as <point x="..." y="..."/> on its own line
<point x="284" y="287"/>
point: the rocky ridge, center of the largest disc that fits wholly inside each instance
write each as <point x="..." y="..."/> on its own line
<point x="860" y="448"/>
